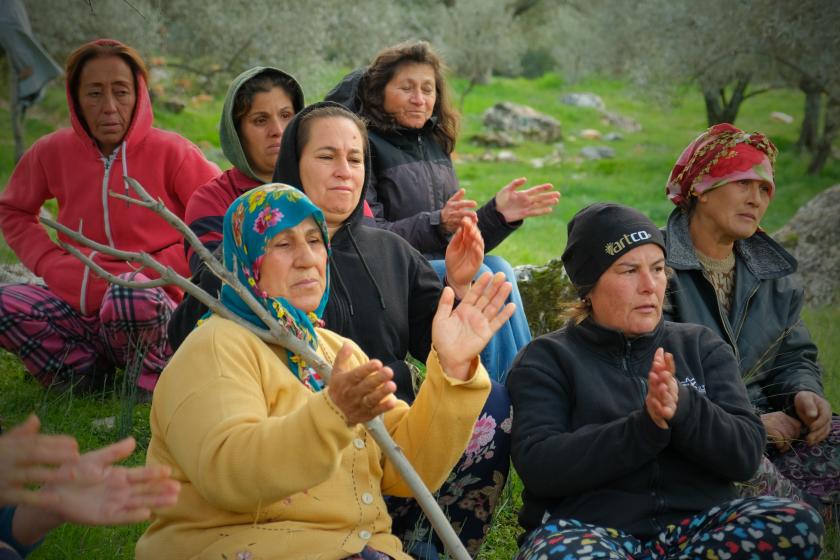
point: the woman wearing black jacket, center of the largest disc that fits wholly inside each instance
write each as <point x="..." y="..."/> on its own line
<point x="414" y="192"/>
<point x="629" y="430"/>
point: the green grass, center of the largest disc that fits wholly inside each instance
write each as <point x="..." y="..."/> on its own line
<point x="636" y="177"/>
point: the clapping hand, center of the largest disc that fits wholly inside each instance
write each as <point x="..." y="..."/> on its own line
<point x="517" y="205"/>
<point x="28" y="457"/>
<point x="464" y="256"/>
<point x="456" y="209"/>
<point x="459" y="334"/>
<point x="101" y="493"/>
<point x="362" y="393"/>
<point x="663" y="391"/>
<point x="781" y="429"/>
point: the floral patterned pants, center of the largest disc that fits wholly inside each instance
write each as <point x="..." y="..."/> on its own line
<point x="765" y="527"/>
<point x="469" y="495"/>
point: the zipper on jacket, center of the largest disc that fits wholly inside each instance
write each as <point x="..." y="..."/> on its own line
<point x="436" y="205"/>
<point x="724" y="320"/>
<point x="625" y="364"/>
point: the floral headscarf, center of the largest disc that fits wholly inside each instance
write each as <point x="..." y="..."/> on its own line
<point x="249" y="225"/>
<point x="721" y="155"/>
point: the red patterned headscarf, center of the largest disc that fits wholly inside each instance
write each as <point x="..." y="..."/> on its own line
<point x="721" y="155"/>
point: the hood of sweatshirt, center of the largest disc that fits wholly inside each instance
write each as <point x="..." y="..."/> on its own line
<point x="287" y="170"/>
<point x="141" y="119"/>
<point x="231" y="145"/>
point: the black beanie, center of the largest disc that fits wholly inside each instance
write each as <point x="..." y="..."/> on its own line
<point x="599" y="235"/>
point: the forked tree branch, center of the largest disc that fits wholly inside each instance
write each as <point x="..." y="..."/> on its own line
<point x="274" y="334"/>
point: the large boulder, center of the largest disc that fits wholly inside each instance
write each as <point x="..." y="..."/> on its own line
<point x="522" y="121"/>
<point x="813" y="237"/>
<point x="546" y="291"/>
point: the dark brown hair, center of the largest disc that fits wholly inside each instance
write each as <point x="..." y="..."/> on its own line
<point x="371" y="91"/>
<point x="330" y="111"/>
<point x="263" y="82"/>
<point x="101" y="48"/>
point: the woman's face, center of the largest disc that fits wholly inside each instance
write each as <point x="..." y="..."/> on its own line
<point x="332" y="167"/>
<point x="262" y="128"/>
<point x="733" y="211"/>
<point x="410" y="95"/>
<point x="628" y="296"/>
<point x="106" y="100"/>
<point x="295" y="266"/>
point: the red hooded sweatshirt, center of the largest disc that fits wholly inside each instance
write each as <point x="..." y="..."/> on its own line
<point x="67" y="165"/>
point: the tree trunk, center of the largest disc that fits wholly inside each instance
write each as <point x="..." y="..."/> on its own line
<point x="809" y="132"/>
<point x="830" y="130"/>
<point x="719" y="109"/>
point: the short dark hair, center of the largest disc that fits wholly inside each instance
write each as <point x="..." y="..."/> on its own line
<point x="382" y="69"/>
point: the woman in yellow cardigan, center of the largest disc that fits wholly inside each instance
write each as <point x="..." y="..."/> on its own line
<point x="273" y="463"/>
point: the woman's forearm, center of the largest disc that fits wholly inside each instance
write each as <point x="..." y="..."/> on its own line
<point x="31" y="524"/>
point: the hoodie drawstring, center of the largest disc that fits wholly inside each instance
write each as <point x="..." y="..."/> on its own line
<point x="125" y="169"/>
<point x="340" y="284"/>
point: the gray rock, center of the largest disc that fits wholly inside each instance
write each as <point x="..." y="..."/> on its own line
<point x="494" y="139"/>
<point x="590" y="100"/>
<point x="613" y="137"/>
<point x="16" y="273"/>
<point x="521" y="120"/>
<point x="173" y="105"/>
<point x="813" y="237"/>
<point x="546" y="291"/>
<point x="597" y="152"/>
<point x="626" y="124"/>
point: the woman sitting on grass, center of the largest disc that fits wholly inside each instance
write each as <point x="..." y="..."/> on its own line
<point x="732" y="277"/>
<point x="273" y="464"/>
<point x="628" y="430"/>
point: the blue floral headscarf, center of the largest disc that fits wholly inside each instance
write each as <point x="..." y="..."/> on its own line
<point x="250" y="223"/>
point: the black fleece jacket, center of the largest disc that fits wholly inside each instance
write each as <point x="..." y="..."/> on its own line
<point x="586" y="448"/>
<point x="412" y="178"/>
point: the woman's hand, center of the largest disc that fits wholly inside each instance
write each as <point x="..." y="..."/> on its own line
<point x="464" y="256"/>
<point x="663" y="391"/>
<point x="517" y="205"/>
<point x="781" y="429"/>
<point x="363" y="393"/>
<point x="459" y="335"/>
<point x="815" y="412"/>
<point x="100" y="493"/>
<point x="28" y="457"/>
<point x="456" y="209"/>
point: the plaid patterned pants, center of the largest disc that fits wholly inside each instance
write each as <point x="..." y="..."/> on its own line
<point x="59" y="346"/>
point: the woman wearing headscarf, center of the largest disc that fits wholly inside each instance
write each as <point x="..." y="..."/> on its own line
<point x="628" y="430"/>
<point x="404" y="98"/>
<point x="258" y="105"/>
<point x="273" y="463"/>
<point x="732" y="277"/>
<point x="75" y="328"/>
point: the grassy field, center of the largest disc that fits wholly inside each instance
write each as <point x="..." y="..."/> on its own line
<point x="636" y="176"/>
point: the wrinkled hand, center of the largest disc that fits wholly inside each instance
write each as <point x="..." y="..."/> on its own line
<point x="464" y="256"/>
<point x="781" y="429"/>
<point x="363" y="393"/>
<point x="517" y="205"/>
<point x="456" y="209"/>
<point x="28" y="457"/>
<point x="100" y="493"/>
<point x="663" y="390"/>
<point x="459" y="335"/>
<point x="815" y="412"/>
